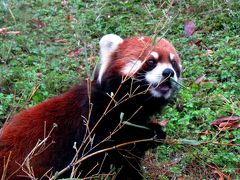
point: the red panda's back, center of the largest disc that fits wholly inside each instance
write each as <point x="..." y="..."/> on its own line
<point x="32" y="126"/>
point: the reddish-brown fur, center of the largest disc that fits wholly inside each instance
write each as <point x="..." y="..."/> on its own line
<point x="142" y="49"/>
<point x="20" y="135"/>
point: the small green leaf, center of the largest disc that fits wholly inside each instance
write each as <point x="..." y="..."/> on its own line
<point x="135" y="125"/>
<point x="190" y="142"/>
<point x="121" y="116"/>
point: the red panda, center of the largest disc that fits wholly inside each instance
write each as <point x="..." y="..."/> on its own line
<point x="136" y="78"/>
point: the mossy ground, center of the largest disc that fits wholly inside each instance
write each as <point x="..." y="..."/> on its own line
<point x="57" y="46"/>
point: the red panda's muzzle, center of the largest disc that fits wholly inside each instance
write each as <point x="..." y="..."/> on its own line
<point x="164" y="87"/>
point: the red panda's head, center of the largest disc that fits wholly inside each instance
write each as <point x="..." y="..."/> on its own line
<point x="153" y="64"/>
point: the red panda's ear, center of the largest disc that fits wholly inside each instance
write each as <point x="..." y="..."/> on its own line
<point x="108" y="44"/>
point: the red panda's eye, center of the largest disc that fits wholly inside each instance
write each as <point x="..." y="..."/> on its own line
<point x="151" y="63"/>
<point x="176" y="67"/>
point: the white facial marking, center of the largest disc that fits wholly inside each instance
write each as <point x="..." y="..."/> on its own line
<point x="141" y="38"/>
<point x="155" y="55"/>
<point x="131" y="67"/>
<point x="168" y="94"/>
<point x="171" y="56"/>
<point x="180" y="67"/>
<point x="155" y="76"/>
<point x="108" y="44"/>
<point x="157" y="94"/>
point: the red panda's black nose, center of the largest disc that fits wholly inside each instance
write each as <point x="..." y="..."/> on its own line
<point x="168" y="73"/>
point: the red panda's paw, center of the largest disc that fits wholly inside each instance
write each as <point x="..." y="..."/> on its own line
<point x="158" y="134"/>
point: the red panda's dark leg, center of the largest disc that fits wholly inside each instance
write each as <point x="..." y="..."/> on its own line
<point x="131" y="170"/>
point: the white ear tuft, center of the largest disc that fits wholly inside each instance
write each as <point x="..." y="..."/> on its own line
<point x="108" y="44"/>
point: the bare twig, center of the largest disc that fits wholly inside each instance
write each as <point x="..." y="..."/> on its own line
<point x="101" y="151"/>
<point x="5" y="166"/>
<point x="33" y="153"/>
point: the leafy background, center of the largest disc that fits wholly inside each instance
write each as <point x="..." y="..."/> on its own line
<point x="48" y="46"/>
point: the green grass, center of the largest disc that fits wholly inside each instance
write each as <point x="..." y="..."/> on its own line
<point x="40" y="59"/>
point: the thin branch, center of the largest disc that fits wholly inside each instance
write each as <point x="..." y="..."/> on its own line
<point x="101" y="151"/>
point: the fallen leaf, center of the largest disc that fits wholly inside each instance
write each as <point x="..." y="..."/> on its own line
<point x="220" y="174"/>
<point x="220" y="120"/>
<point x="3" y="31"/>
<point x="64" y="2"/>
<point x="203" y="133"/>
<point x="200" y="79"/>
<point x="70" y="18"/>
<point x="59" y="40"/>
<point x="175" y="161"/>
<point x="163" y="123"/>
<point x="92" y="59"/>
<point x="37" y="24"/>
<point x="209" y="52"/>
<point x="199" y="43"/>
<point x="227" y="123"/>
<point x="39" y="74"/>
<point x="14" y="32"/>
<point x="191" y="44"/>
<point x="200" y="31"/>
<point x="75" y="53"/>
<point x="209" y="81"/>
<point x="180" y="178"/>
<point x="189" y="28"/>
